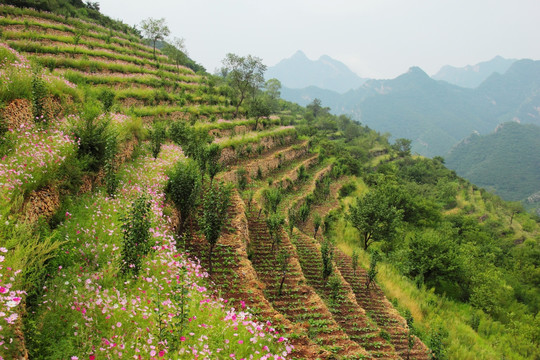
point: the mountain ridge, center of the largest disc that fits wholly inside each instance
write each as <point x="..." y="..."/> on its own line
<point x="435" y="114"/>
<point x="298" y="71"/>
<point x="471" y="76"/>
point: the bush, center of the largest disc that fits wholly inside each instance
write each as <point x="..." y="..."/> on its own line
<point x="327" y="254"/>
<point x="241" y="178"/>
<point x="92" y="134"/>
<point x="107" y="98"/>
<point x="157" y="136"/>
<point x="39" y="93"/>
<point x="183" y="188"/>
<point x="135" y="243"/>
<point x="347" y="189"/>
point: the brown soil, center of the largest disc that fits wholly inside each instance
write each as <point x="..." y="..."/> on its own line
<point x="17" y="113"/>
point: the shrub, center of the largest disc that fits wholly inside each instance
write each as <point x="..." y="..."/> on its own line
<point x="216" y="200"/>
<point x="107" y="98"/>
<point x="39" y="93"/>
<point x="241" y="178"/>
<point x="302" y="173"/>
<point x="334" y="284"/>
<point x="347" y="189"/>
<point x="183" y="188"/>
<point x="272" y="197"/>
<point x="157" y="136"/>
<point x="92" y="134"/>
<point x="303" y="212"/>
<point x="213" y="154"/>
<point x="327" y="254"/>
<point x="135" y="242"/>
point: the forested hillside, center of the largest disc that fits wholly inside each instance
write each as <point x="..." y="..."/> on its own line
<point x="504" y="162"/>
<point x="148" y="212"/>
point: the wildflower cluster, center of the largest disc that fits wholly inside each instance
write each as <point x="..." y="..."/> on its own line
<point x="35" y="157"/>
<point x="10" y="299"/>
<point x="166" y="311"/>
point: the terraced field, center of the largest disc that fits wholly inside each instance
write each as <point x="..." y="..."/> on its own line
<point x="274" y="272"/>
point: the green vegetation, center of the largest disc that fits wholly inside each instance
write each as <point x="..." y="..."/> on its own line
<point x="117" y="197"/>
<point x="503" y="162"/>
<point x="464" y="263"/>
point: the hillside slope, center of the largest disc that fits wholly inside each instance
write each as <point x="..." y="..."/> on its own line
<point x="504" y="162"/>
<point x="142" y="219"/>
<point x="112" y="171"/>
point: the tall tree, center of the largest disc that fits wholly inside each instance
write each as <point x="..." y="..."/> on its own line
<point x="175" y="49"/>
<point x="245" y="75"/>
<point x="375" y="216"/>
<point x="155" y="30"/>
<point x="216" y="200"/>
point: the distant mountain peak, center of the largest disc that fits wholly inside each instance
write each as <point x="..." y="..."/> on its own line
<point x="417" y="71"/>
<point x="299" y="55"/>
<point x="298" y="72"/>
<point x="471" y="76"/>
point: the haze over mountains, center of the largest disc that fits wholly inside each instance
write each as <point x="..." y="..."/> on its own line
<point x="436" y="114"/>
<point x="326" y="73"/>
<point x="471" y="76"/>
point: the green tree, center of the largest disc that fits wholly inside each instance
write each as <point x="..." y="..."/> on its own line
<point x="327" y="254"/>
<point x="273" y="94"/>
<point x="155" y="30"/>
<point x="316" y="224"/>
<point x="433" y="257"/>
<point x="259" y="107"/>
<point x="272" y="197"/>
<point x="183" y="188"/>
<point x="372" y="271"/>
<point x="273" y="88"/>
<point x="283" y="265"/>
<point x="514" y="207"/>
<point x="213" y="154"/>
<point x="274" y="222"/>
<point x="245" y="75"/>
<point x="374" y="217"/>
<point x="317" y="109"/>
<point x="216" y="200"/>
<point x="175" y="49"/>
<point x="402" y="146"/>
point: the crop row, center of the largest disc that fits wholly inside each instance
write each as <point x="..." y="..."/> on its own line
<point x="53" y="21"/>
<point x="60" y="48"/>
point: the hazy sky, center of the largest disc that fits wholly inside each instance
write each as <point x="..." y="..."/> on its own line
<point x="375" y="38"/>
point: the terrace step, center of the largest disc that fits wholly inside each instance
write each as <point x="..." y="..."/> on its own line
<point x="298" y="301"/>
<point x="346" y="311"/>
<point x="383" y="313"/>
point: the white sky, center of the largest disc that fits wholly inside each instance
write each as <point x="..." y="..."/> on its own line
<point x="375" y="38"/>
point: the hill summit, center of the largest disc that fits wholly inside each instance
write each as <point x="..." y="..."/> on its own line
<point x="299" y="71"/>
